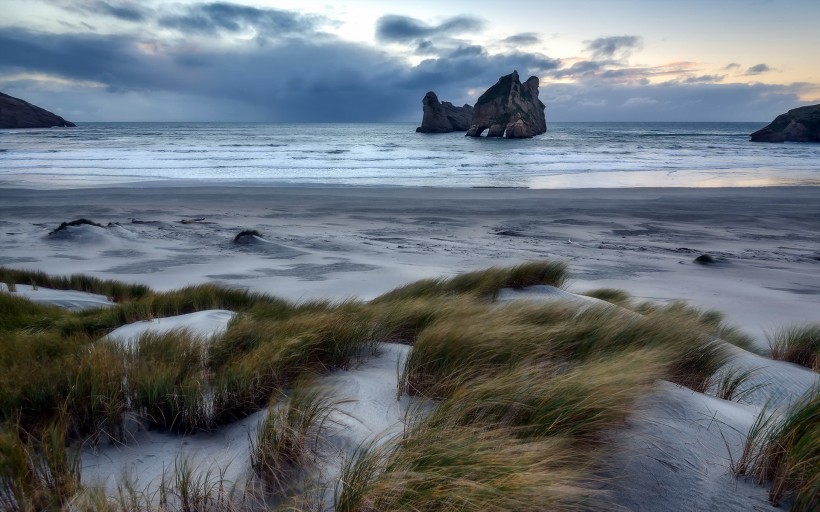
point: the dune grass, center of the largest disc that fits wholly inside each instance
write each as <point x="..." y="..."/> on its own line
<point x="484" y="283"/>
<point x="798" y="344"/>
<point x="283" y="441"/>
<point x="186" y="486"/>
<point x="612" y="295"/>
<point x="782" y="449"/>
<point x="20" y="313"/>
<point x="732" y="383"/>
<point x="37" y="472"/>
<point x="115" y="290"/>
<point x="525" y="391"/>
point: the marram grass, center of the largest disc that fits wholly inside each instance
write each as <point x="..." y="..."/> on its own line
<point x="798" y="344"/>
<point x="525" y="390"/>
<point x="783" y="450"/>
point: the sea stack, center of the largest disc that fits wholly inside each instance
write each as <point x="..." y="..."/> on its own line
<point x="443" y="117"/>
<point x="797" y="125"/>
<point x="509" y="109"/>
<point x="16" y="113"/>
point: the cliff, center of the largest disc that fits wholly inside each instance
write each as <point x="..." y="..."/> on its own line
<point x="16" y="113"/>
<point x="443" y="117"/>
<point x="797" y="125"/>
<point x="509" y="109"/>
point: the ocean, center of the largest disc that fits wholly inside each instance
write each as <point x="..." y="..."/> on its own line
<point x="569" y="155"/>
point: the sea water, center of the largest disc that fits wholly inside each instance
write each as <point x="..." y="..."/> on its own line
<point x="569" y="155"/>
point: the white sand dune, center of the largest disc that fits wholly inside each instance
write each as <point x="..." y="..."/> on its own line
<point x="547" y="293"/>
<point x="202" y="324"/>
<point x="674" y="455"/>
<point x="781" y="383"/>
<point x="367" y="410"/>
<point x="68" y="299"/>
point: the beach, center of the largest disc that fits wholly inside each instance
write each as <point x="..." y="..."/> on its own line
<point x="677" y="447"/>
<point x="338" y="243"/>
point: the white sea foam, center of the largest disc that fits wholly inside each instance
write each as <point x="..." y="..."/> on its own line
<point x="569" y="155"/>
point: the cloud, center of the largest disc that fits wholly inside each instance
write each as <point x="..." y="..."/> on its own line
<point x="704" y="79"/>
<point x="609" y="47"/>
<point x="392" y="28"/>
<point x="212" y="18"/>
<point x="522" y="39"/>
<point x="603" y="72"/>
<point x="668" y="102"/>
<point x="640" y="102"/>
<point x="290" y="79"/>
<point x="731" y="66"/>
<point x="127" y="11"/>
<point x="426" y="48"/>
<point x="758" y="69"/>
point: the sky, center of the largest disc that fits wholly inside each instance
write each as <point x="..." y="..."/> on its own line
<point x="373" y="61"/>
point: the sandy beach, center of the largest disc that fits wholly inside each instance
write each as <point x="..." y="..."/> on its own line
<point x="678" y="446"/>
<point x="338" y="243"/>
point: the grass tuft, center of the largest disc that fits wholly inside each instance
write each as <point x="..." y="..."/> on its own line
<point x="284" y="437"/>
<point x="37" y="472"/>
<point x="784" y="450"/>
<point x="484" y="283"/>
<point x="612" y="295"/>
<point x="117" y="291"/>
<point x="799" y="344"/>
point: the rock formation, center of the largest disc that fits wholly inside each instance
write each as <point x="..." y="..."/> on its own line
<point x="16" y="113"/>
<point x="797" y="125"/>
<point x="509" y="109"/>
<point x="443" y="117"/>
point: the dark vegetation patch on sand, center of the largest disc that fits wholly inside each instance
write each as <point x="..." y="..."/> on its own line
<point x="78" y="222"/>
<point x="246" y="236"/>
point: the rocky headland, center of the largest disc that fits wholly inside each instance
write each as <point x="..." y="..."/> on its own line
<point x="797" y="125"/>
<point x="16" y="113"/>
<point x="444" y="117"/>
<point x="509" y="109"/>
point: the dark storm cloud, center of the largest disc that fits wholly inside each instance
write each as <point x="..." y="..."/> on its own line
<point x="217" y="17"/>
<point x="404" y="29"/>
<point x="608" y="47"/>
<point x="523" y="39"/>
<point x="83" y="57"/>
<point x="288" y="80"/>
<point x="326" y="79"/>
<point x="758" y="69"/>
